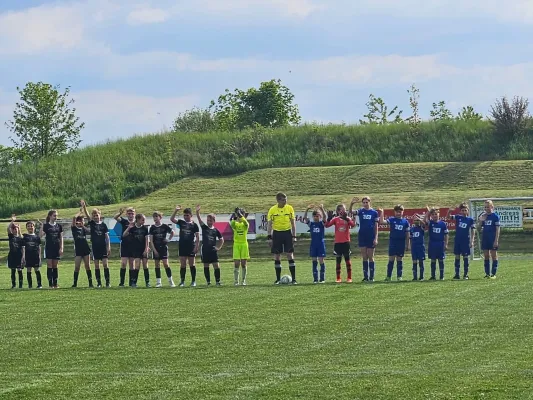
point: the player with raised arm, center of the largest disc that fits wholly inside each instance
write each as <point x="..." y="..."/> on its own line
<point x="281" y="230"/>
<point x="317" y="249"/>
<point x="31" y="254"/>
<point x="241" y="253"/>
<point x="343" y="223"/>
<point x="189" y="239"/>
<point x="489" y="222"/>
<point x="126" y="252"/>
<point x="418" y="248"/>
<point x="101" y="245"/>
<point x="438" y="241"/>
<point x="399" y="240"/>
<point x="368" y="235"/>
<point x="139" y="246"/>
<point x="159" y="238"/>
<point x="53" y="248"/>
<point x="82" y="251"/>
<point x="464" y="238"/>
<point x="14" y="257"/>
<point x="212" y="242"/>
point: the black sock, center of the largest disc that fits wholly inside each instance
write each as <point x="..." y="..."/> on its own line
<point x="98" y="276"/>
<point x="277" y="266"/>
<point x="147" y="275"/>
<point x="158" y="273"/>
<point x="132" y="277"/>
<point x="21" y="278"/>
<point x="38" y="276"/>
<point x="292" y="269"/>
<point x="207" y="274"/>
<point x="89" y="276"/>
<point x="193" y="273"/>
<point x="217" y="275"/>
<point x="106" y="275"/>
<point x="122" y="275"/>
<point x="13" y="274"/>
<point x="183" y="272"/>
<point x="49" y="276"/>
<point x="76" y="275"/>
<point x="29" y="279"/>
<point x="169" y="272"/>
<point x="55" y="275"/>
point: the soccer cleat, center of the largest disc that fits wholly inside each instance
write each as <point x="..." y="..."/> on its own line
<point x="399" y="279"/>
<point x="208" y="283"/>
<point x="493" y="277"/>
<point x="13" y="286"/>
<point x="133" y="286"/>
<point x="236" y="283"/>
<point x="147" y="285"/>
<point x="276" y="282"/>
<point x="99" y="285"/>
<point x="441" y="279"/>
<point x="29" y="287"/>
<point x="456" y="277"/>
<point x="158" y="285"/>
<point x="244" y="283"/>
<point x="120" y="285"/>
<point x="338" y="280"/>
<point x="387" y="279"/>
<point x="487" y="276"/>
<point x="421" y="279"/>
<point x="321" y="281"/>
<point x="365" y="280"/>
<point x="315" y="282"/>
<point x="182" y="284"/>
<point x="107" y="285"/>
<point x="466" y="277"/>
<point x="432" y="278"/>
<point x="349" y="280"/>
<point x="219" y="284"/>
<point x="39" y="286"/>
<point x="193" y="284"/>
<point x="73" y="286"/>
<point x="294" y="282"/>
<point x="414" y="279"/>
<point x="91" y="285"/>
<point x="171" y="282"/>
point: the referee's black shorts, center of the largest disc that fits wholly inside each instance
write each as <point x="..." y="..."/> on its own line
<point x="282" y="242"/>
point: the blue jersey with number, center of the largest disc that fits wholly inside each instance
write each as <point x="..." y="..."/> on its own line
<point x="490" y="224"/>
<point x="398" y="228"/>
<point x="367" y="221"/>
<point x="437" y="231"/>
<point x="463" y="227"/>
<point x="317" y="232"/>
<point x="417" y="236"/>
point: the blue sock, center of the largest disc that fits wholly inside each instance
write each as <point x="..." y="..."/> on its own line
<point x="315" y="271"/>
<point x="466" y="263"/>
<point x="365" y="269"/>
<point x="441" y="269"/>
<point x="415" y="270"/>
<point x="399" y="269"/>
<point x="457" y="266"/>
<point x="487" y="267"/>
<point x="494" y="267"/>
<point x="421" y="269"/>
<point x="433" y="268"/>
<point x="372" y="270"/>
<point x="322" y="272"/>
<point x="390" y="267"/>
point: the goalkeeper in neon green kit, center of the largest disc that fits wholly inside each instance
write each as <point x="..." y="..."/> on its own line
<point x="241" y="255"/>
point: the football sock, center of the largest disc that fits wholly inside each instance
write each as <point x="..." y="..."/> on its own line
<point x="349" y="268"/>
<point x="29" y="279"/>
<point x="207" y="274"/>
<point x="292" y="269"/>
<point x="236" y="274"/>
<point x="421" y="269"/>
<point x="146" y="275"/>
<point x="372" y="269"/>
<point x="55" y="275"/>
<point x="315" y="271"/>
<point x="21" y="278"/>
<point x="38" y="276"/>
<point x="487" y="267"/>
<point x="183" y="272"/>
<point x="365" y="269"/>
<point x="132" y="276"/>
<point x="399" y="268"/>
<point x="158" y="273"/>
<point x="441" y="269"/>
<point x="390" y="267"/>
<point x="322" y="272"/>
<point x="244" y="271"/>
<point x="106" y="275"/>
<point x="98" y="276"/>
<point x="466" y="265"/>
<point x="168" y="272"/>
<point x="433" y="268"/>
<point x="193" y="273"/>
<point x="277" y="266"/>
<point x="76" y="275"/>
<point x="13" y="275"/>
<point x="49" y="276"/>
<point x="217" y="275"/>
<point x="415" y="270"/>
<point x="338" y="267"/>
<point x="89" y="276"/>
<point x="494" y="267"/>
<point x="122" y="275"/>
<point x="457" y="266"/>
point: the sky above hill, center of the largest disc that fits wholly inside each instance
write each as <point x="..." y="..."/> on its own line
<point x="133" y="66"/>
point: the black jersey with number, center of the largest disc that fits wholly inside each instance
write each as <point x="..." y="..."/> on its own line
<point x="53" y="235"/>
<point x="188" y="231"/>
<point x="138" y="236"/>
<point x="159" y="234"/>
<point x="98" y="233"/>
<point x="210" y="237"/>
<point x="15" y="245"/>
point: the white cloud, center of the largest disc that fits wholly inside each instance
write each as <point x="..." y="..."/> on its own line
<point x="147" y="15"/>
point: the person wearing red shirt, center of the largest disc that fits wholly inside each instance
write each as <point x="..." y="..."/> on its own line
<point x="342" y="224"/>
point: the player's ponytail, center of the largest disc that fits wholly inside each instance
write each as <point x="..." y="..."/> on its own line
<point x="50" y="213"/>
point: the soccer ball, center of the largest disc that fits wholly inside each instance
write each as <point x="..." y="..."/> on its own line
<point x="285" y="279"/>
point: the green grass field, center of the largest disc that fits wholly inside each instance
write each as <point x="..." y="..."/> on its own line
<point x="408" y="340"/>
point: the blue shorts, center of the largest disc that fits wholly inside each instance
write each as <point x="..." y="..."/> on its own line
<point x="436" y="251"/>
<point x="487" y="243"/>
<point x="397" y="248"/>
<point x="461" y="248"/>
<point x="418" y="253"/>
<point x="366" y="240"/>
<point x="317" y="250"/>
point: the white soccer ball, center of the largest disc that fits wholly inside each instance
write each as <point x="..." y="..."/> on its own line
<point x="285" y="279"/>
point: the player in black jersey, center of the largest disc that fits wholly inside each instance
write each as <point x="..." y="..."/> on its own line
<point x="82" y="251"/>
<point x="31" y="254"/>
<point x="138" y="233"/>
<point x="126" y="254"/>
<point x="100" y="243"/>
<point x="189" y="240"/>
<point x="14" y="258"/>
<point x="53" y="248"/>
<point x="212" y="242"/>
<point x="158" y="242"/>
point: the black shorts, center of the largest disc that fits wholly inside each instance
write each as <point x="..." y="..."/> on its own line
<point x="282" y="242"/>
<point x="126" y="250"/>
<point x="342" y="250"/>
<point x="137" y="252"/>
<point x="186" y="249"/>
<point x="99" y="252"/>
<point x="162" y="253"/>
<point x="52" y="253"/>
<point x="82" y="250"/>
<point x="14" y="261"/>
<point x="209" y="256"/>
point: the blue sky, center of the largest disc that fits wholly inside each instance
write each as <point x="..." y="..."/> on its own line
<point x="133" y="66"/>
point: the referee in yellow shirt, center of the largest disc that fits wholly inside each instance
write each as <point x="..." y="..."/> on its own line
<point x="282" y="234"/>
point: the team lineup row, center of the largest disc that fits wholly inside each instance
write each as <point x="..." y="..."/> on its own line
<point x="137" y="240"/>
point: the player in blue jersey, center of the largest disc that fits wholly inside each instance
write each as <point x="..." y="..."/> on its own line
<point x="398" y="240"/>
<point x="438" y="241"/>
<point x="464" y="238"/>
<point x="317" y="250"/>
<point x="368" y="235"/>
<point x="418" y="248"/>
<point x="489" y="222"/>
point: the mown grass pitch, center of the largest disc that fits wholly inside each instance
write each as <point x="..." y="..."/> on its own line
<point x="410" y="340"/>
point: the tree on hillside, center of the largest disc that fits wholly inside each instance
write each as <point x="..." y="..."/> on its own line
<point x="271" y="105"/>
<point x="510" y="119"/>
<point x="44" y="124"/>
<point x="440" y="112"/>
<point x="378" y="112"/>
<point x="414" y="98"/>
<point x="194" y="120"/>
<point x="468" y="114"/>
